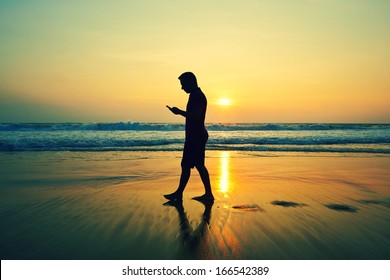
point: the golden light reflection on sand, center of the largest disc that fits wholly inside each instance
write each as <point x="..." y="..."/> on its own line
<point x="224" y="182"/>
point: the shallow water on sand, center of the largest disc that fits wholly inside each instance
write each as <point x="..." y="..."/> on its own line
<point x="64" y="205"/>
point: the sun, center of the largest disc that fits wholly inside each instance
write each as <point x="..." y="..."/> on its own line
<point x="224" y="102"/>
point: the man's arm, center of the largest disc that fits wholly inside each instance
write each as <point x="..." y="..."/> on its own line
<point x="194" y="114"/>
<point x="177" y="111"/>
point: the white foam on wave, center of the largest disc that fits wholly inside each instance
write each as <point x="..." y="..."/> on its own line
<point x="178" y="127"/>
<point x="170" y="137"/>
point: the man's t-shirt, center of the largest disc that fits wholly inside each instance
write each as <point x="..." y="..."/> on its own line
<point x="195" y="128"/>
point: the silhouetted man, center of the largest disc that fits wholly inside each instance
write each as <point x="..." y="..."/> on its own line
<point x="196" y="138"/>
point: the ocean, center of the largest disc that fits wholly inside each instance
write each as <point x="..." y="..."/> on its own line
<point x="135" y="136"/>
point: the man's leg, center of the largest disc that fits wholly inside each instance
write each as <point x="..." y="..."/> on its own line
<point x="184" y="177"/>
<point x="204" y="175"/>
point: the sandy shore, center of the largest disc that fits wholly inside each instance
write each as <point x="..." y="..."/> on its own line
<point x="109" y="205"/>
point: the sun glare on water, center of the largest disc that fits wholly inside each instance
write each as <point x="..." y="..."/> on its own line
<point x="224" y="102"/>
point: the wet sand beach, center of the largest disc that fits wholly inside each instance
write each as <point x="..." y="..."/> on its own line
<point x="109" y="205"/>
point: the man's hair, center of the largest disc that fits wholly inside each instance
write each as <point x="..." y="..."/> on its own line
<point x="189" y="77"/>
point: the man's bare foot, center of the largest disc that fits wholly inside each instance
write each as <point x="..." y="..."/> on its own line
<point x="173" y="196"/>
<point x="205" y="197"/>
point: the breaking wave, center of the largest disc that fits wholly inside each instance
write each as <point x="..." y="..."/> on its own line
<point x="131" y="136"/>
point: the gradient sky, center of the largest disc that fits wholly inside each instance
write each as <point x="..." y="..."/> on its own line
<point x="118" y="60"/>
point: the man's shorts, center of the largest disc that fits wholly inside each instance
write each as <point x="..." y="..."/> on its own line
<point x="194" y="152"/>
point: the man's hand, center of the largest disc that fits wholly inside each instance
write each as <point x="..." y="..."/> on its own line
<point x="174" y="110"/>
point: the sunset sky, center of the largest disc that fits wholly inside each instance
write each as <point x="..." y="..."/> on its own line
<point x="256" y="60"/>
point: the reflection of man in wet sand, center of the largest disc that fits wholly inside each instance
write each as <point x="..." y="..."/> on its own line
<point x="195" y="240"/>
<point x="196" y="138"/>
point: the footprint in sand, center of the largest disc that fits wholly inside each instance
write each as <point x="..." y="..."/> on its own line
<point x="247" y="208"/>
<point x="376" y="202"/>
<point x="287" y="203"/>
<point x="342" y="208"/>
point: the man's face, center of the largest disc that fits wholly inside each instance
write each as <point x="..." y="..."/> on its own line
<point x="185" y="86"/>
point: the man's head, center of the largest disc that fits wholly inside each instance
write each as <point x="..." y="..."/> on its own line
<point x="188" y="82"/>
